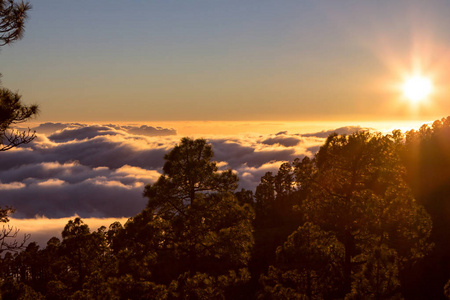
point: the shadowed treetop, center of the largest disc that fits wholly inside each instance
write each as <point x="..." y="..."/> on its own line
<point x="189" y="171"/>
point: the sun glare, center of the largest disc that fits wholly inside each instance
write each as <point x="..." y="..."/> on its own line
<point x="417" y="88"/>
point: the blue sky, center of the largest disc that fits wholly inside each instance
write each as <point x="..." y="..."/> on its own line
<point x="228" y="60"/>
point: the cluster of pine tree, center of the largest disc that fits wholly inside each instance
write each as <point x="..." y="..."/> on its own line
<point x="354" y="222"/>
<point x="366" y="218"/>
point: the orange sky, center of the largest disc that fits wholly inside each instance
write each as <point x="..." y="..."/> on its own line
<point x="253" y="61"/>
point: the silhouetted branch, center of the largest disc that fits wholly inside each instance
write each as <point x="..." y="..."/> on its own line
<point x="14" y="138"/>
<point x="12" y="24"/>
<point x="8" y="232"/>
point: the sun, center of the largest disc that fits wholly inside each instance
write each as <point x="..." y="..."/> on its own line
<point x="417" y="88"/>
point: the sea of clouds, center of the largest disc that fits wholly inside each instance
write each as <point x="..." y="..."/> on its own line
<point x="100" y="171"/>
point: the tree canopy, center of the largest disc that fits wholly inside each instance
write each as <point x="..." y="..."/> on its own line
<point x="342" y="224"/>
<point x="354" y="188"/>
<point x="188" y="172"/>
<point x="194" y="236"/>
<point x="427" y="160"/>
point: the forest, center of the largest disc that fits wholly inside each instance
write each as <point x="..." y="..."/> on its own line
<point x="365" y="218"/>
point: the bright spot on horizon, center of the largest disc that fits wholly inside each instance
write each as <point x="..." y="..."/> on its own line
<point x="417" y="88"/>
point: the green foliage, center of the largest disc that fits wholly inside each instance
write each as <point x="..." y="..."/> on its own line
<point x="307" y="265"/>
<point x="132" y="288"/>
<point x="188" y="170"/>
<point x="204" y="286"/>
<point x="96" y="286"/>
<point x="358" y="192"/>
<point x="12" y="290"/>
<point x="354" y="189"/>
<point x="57" y="290"/>
<point x="205" y="242"/>
<point x="343" y="224"/>
<point x="265" y="199"/>
<point x="275" y="196"/>
<point x="283" y="285"/>
<point x="83" y="252"/>
<point x="427" y="160"/>
<point x="378" y="276"/>
<point x="194" y="231"/>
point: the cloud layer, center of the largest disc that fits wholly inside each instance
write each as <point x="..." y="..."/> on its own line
<point x="99" y="171"/>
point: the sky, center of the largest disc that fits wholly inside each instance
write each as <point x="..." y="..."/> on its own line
<point x="118" y="83"/>
<point x="302" y="60"/>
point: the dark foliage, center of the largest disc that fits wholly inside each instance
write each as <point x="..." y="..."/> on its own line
<point x="343" y="224"/>
<point x="427" y="159"/>
<point x="13" y="16"/>
<point x="12" y="24"/>
<point x="12" y="20"/>
<point x="12" y="112"/>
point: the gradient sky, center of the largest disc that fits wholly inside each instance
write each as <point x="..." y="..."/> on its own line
<point x="123" y="61"/>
